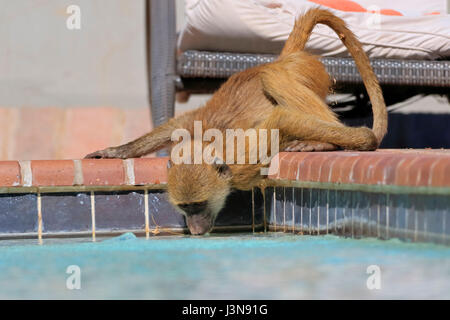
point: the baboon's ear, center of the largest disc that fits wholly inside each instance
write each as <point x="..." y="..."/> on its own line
<point x="169" y="164"/>
<point x="222" y="168"/>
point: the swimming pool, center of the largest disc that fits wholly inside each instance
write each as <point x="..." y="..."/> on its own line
<point x="238" y="266"/>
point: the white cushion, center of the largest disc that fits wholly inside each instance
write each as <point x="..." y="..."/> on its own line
<point x="411" y="29"/>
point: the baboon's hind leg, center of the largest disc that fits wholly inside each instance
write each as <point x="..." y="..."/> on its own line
<point x="312" y="128"/>
<point x="308" y="146"/>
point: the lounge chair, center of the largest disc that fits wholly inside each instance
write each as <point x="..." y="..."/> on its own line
<point x="195" y="71"/>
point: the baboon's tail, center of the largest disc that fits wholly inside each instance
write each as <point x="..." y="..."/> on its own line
<point x="297" y="41"/>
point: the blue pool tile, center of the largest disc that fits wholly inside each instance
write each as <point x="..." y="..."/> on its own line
<point x="373" y="215"/>
<point x="315" y="210"/>
<point x="298" y="209"/>
<point x="279" y="208"/>
<point x="446" y="219"/>
<point x="394" y="213"/>
<point x="400" y="209"/>
<point x="436" y="207"/>
<point x="384" y="214"/>
<point x="66" y="212"/>
<point x="332" y="210"/>
<point x="18" y="213"/>
<point x="420" y="218"/>
<point x="344" y="212"/>
<point x="411" y="219"/>
<point x="354" y="214"/>
<point x="258" y="203"/>
<point x="307" y="211"/>
<point x="289" y="208"/>
<point x="340" y="211"/>
<point x="322" y="200"/>
<point x="269" y="214"/>
<point x="401" y="212"/>
<point x="237" y="210"/>
<point x="361" y="208"/>
<point x="119" y="210"/>
<point x="162" y="213"/>
<point x="366" y="210"/>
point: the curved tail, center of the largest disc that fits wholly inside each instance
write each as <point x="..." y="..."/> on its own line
<point x="300" y="35"/>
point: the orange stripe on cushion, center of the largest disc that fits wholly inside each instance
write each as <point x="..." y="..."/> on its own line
<point x="390" y="12"/>
<point x="342" y="5"/>
<point x="351" y="6"/>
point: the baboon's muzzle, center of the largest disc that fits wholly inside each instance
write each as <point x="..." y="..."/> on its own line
<point x="199" y="224"/>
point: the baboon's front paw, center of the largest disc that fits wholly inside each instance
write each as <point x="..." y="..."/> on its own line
<point x="102" y="154"/>
<point x="308" y="146"/>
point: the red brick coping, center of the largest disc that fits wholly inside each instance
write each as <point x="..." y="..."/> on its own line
<point x="88" y="172"/>
<point x="402" y="167"/>
<point x="429" y="168"/>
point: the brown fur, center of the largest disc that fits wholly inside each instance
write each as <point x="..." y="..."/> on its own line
<point x="289" y="95"/>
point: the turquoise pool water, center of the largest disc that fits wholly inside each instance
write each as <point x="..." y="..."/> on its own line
<point x="272" y="266"/>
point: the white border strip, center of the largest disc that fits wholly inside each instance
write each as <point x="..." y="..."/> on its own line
<point x="78" y="179"/>
<point x="26" y="174"/>
<point x="93" y="214"/>
<point x="128" y="166"/>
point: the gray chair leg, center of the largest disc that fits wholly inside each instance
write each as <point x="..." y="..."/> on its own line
<point x="162" y="73"/>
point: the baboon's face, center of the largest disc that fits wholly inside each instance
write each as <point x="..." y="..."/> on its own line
<point x="199" y="191"/>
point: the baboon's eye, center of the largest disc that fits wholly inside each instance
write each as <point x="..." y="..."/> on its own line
<point x="222" y="168"/>
<point x="193" y="207"/>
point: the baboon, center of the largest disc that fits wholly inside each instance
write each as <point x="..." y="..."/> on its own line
<point x="287" y="94"/>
